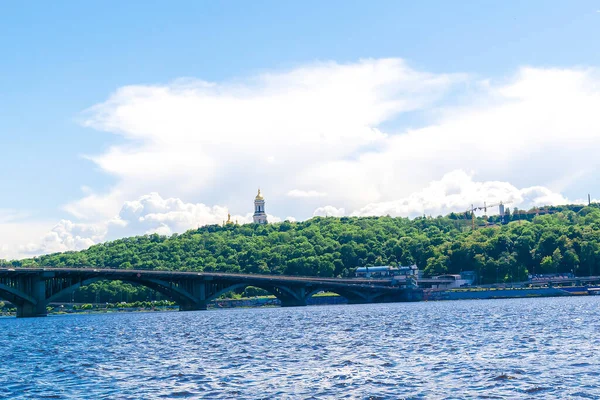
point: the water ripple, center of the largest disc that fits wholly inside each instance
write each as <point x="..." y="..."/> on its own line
<point x="496" y="349"/>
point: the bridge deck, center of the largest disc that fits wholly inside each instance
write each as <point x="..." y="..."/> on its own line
<point x="33" y="288"/>
<point x="113" y="272"/>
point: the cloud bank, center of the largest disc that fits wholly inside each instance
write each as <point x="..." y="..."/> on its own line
<point x="457" y="191"/>
<point x="374" y="137"/>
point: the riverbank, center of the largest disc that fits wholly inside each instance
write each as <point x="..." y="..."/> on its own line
<point x="164" y="306"/>
<point x="473" y="293"/>
<point x="482" y="293"/>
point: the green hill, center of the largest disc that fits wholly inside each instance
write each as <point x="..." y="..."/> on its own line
<point x="565" y="239"/>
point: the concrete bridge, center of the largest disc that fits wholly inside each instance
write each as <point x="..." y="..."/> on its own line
<point x="32" y="289"/>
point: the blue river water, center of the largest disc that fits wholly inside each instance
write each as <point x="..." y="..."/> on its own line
<point x="505" y="349"/>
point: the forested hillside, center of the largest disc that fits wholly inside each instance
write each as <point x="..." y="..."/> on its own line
<point x="566" y="240"/>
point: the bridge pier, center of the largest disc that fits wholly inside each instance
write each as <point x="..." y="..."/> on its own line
<point x="201" y="306"/>
<point x="28" y="310"/>
<point x="292" y="296"/>
<point x="199" y="303"/>
<point x="38" y="293"/>
<point x="293" y="302"/>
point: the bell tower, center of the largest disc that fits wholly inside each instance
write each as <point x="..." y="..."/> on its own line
<point x="259" y="217"/>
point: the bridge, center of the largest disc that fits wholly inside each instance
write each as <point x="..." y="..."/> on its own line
<point x="32" y="289"/>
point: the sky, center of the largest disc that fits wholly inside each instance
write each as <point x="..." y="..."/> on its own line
<point x="127" y="118"/>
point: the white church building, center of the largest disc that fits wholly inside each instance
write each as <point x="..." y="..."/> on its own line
<point x="259" y="217"/>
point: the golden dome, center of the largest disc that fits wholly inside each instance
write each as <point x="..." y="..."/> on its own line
<point x="259" y="196"/>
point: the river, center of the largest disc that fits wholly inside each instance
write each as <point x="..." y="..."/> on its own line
<point x="505" y="349"/>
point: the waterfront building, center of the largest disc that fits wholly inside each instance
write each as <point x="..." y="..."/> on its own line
<point x="378" y="271"/>
<point x="259" y="217"/>
<point x="451" y="281"/>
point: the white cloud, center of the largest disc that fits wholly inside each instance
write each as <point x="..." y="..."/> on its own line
<point x="329" y="211"/>
<point x="456" y="192"/>
<point x="15" y="235"/>
<point x="305" y="193"/>
<point x="320" y="127"/>
<point x="216" y="142"/>
<point x="96" y="207"/>
<point x="540" y="129"/>
<point x="153" y="214"/>
<point x="330" y="133"/>
<point x="66" y="236"/>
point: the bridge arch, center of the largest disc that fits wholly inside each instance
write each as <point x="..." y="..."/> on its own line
<point x="15" y="295"/>
<point x="189" y="298"/>
<point x="375" y="296"/>
<point x="353" y="296"/>
<point x="286" y="295"/>
<point x="298" y="296"/>
<point x="227" y="289"/>
<point x="165" y="288"/>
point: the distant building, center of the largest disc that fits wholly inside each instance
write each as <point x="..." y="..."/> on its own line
<point x="378" y="271"/>
<point x="381" y="271"/>
<point x="454" y="281"/>
<point x="409" y="270"/>
<point x="469" y="276"/>
<point x="259" y="217"/>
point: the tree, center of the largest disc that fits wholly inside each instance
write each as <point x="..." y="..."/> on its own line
<point x="564" y="241"/>
<point x="547" y="265"/>
<point x="556" y="259"/>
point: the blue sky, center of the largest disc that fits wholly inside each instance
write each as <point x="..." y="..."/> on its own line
<point x="61" y="58"/>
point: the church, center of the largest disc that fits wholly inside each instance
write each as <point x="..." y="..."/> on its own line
<point x="259" y="217"/>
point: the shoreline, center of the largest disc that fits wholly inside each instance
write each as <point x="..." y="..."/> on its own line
<point x="474" y="293"/>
